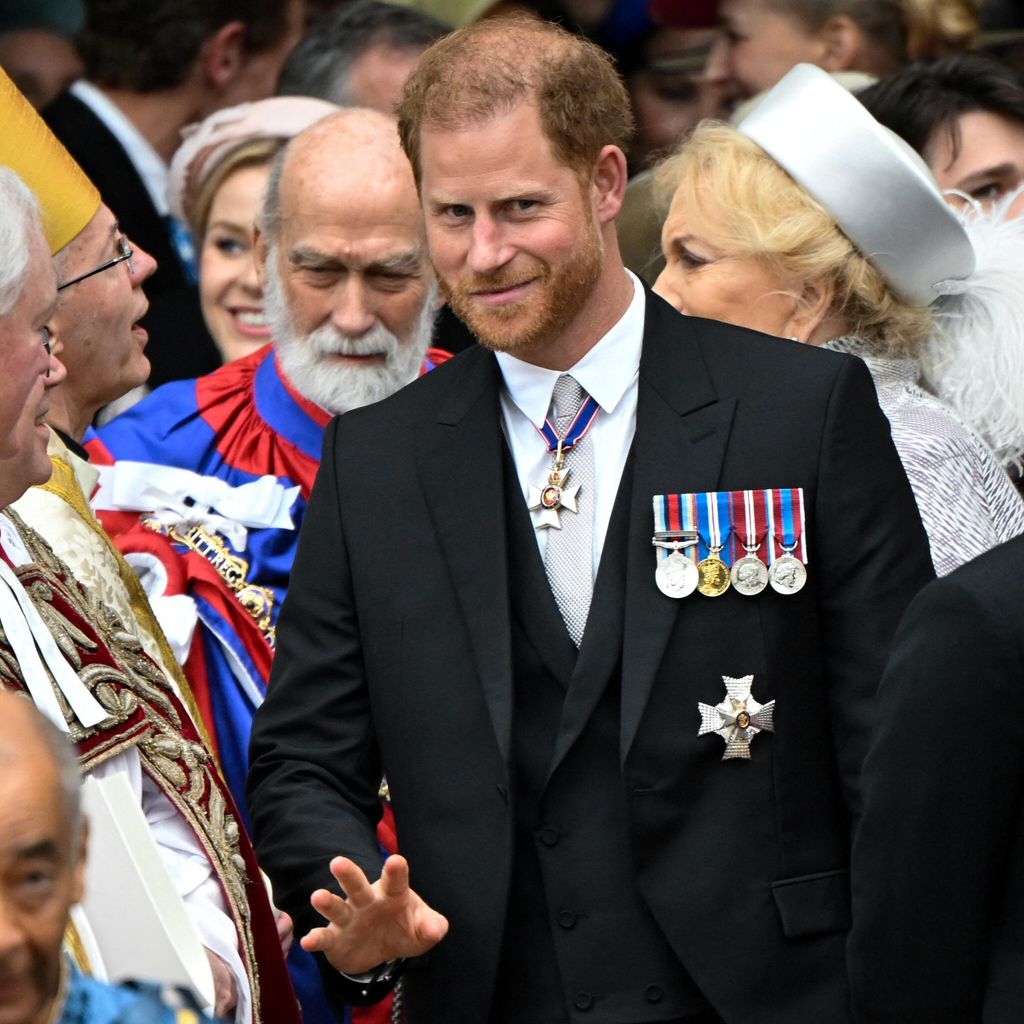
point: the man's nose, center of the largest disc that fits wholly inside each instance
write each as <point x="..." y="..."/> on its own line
<point x="12" y="935"/>
<point x="354" y="310"/>
<point x="143" y="264"/>
<point x="57" y="371"/>
<point x="489" y="250"/>
<point x="717" y="69"/>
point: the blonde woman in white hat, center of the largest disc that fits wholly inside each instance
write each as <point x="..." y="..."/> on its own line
<point x="812" y="222"/>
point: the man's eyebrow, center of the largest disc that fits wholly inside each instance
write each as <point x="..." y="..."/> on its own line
<point x="45" y="849"/>
<point x="311" y="258"/>
<point x="996" y="171"/>
<point x="410" y="260"/>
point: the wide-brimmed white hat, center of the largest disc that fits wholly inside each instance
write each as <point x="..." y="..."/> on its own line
<point x="878" y="190"/>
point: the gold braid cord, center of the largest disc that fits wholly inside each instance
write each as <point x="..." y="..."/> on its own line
<point x="142" y="712"/>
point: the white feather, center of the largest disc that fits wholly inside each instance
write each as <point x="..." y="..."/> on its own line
<point x="975" y="360"/>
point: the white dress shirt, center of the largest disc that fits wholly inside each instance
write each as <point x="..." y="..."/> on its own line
<point x="608" y="372"/>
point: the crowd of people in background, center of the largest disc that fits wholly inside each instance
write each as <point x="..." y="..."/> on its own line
<point x="299" y="298"/>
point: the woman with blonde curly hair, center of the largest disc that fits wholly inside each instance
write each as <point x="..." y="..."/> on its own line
<point x="762" y="39"/>
<point x="812" y="222"/>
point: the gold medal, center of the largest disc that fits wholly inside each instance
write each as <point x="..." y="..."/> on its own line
<point x="713" y="575"/>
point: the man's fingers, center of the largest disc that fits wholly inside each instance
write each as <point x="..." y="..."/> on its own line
<point x="315" y="941"/>
<point x="432" y="928"/>
<point x="394" y="876"/>
<point x="354" y="884"/>
<point x="330" y="906"/>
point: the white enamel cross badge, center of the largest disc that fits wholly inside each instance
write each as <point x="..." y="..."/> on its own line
<point x="738" y="719"/>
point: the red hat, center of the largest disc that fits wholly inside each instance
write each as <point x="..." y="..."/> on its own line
<point x="683" y="13"/>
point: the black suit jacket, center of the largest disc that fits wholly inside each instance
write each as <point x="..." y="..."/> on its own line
<point x="938" y="933"/>
<point x="180" y="346"/>
<point x="394" y="653"/>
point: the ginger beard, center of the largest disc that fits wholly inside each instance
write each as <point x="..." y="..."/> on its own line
<point x="308" y="359"/>
<point x="561" y="290"/>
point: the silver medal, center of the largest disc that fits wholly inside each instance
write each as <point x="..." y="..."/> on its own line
<point x="749" y="575"/>
<point x="787" y="575"/>
<point x="676" y="575"/>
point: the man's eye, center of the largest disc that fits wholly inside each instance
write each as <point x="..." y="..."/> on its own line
<point x="993" y="190"/>
<point x="522" y="205"/>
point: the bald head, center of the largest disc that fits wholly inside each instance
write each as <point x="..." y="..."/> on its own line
<point x="27" y="737"/>
<point x="354" y="151"/>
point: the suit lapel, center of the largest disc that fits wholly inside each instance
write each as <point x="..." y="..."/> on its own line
<point x="460" y="465"/>
<point x="682" y="430"/>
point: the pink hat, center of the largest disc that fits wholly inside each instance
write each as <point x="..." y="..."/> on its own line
<point x="206" y="143"/>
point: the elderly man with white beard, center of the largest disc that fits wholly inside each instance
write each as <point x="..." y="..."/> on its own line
<point x="209" y="478"/>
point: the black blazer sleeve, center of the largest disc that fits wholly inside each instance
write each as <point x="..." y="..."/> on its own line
<point x="938" y="858"/>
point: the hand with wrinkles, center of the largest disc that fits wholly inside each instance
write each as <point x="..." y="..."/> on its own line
<point x="375" y="922"/>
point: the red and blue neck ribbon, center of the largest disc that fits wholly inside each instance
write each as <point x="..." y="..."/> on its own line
<point x="581" y="423"/>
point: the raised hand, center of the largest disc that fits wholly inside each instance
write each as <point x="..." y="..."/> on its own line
<point x="376" y="922"/>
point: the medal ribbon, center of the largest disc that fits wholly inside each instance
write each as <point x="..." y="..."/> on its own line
<point x="713" y="523"/>
<point x="750" y="509"/>
<point x="787" y="522"/>
<point x="735" y="520"/>
<point x="676" y="512"/>
<point x="581" y="423"/>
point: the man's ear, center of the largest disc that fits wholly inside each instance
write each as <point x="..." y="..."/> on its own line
<point x="78" y="856"/>
<point x="222" y="56"/>
<point x="260" y="254"/>
<point x="844" y="43"/>
<point x="608" y="183"/>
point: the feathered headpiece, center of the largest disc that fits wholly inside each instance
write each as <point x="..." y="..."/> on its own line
<point x="975" y="360"/>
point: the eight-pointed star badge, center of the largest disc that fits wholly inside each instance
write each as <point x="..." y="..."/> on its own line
<point x="738" y="719"/>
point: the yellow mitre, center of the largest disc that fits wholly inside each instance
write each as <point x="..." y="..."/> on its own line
<point x="68" y="199"/>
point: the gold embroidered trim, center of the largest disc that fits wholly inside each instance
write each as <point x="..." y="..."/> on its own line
<point x="231" y="568"/>
<point x="183" y="769"/>
<point x="64" y="485"/>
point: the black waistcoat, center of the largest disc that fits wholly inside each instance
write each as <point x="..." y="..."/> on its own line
<point x="580" y="943"/>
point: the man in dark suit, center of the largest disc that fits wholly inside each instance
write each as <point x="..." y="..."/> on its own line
<point x="150" y="70"/>
<point x="938" y="883"/>
<point x="579" y="849"/>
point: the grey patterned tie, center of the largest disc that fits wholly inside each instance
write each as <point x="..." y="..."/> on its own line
<point x="568" y="558"/>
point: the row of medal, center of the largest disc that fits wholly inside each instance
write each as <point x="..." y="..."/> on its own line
<point x="692" y="532"/>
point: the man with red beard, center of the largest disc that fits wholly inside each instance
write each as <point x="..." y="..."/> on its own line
<point x="478" y="611"/>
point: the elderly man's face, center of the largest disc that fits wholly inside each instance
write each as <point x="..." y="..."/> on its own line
<point x="348" y="292"/>
<point x="24" y="381"/>
<point x="41" y="874"/>
<point x="96" y="323"/>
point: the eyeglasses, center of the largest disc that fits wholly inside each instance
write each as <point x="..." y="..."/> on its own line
<point x="125" y="254"/>
<point x="47" y="345"/>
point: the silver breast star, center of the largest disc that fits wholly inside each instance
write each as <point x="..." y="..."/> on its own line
<point x="738" y="719"/>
